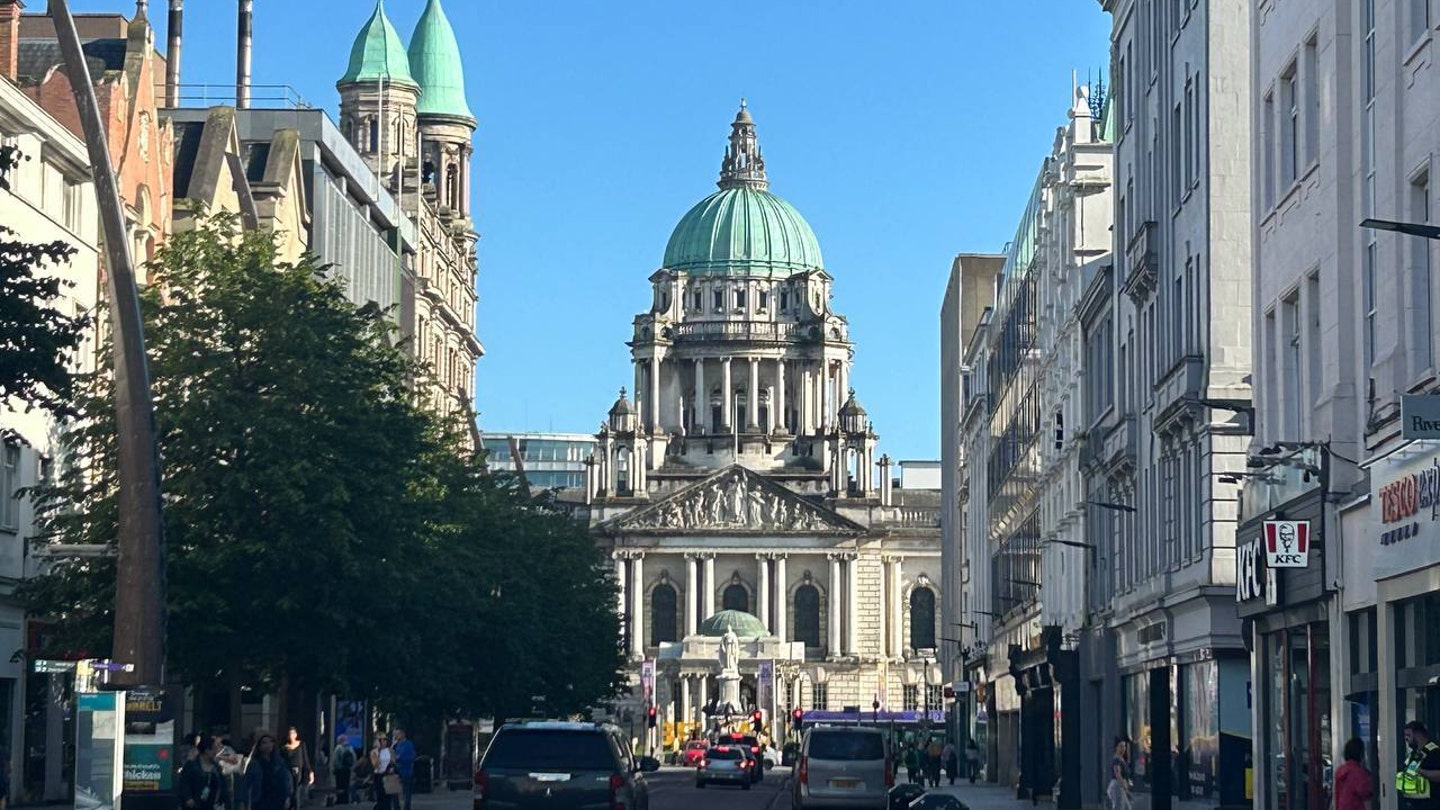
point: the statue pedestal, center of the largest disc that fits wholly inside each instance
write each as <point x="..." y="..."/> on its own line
<point x="730" y="690"/>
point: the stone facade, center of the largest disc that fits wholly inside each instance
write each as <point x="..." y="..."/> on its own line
<point x="743" y="478"/>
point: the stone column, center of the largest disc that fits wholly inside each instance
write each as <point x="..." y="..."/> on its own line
<point x="685" y="710"/>
<point x="762" y="590"/>
<point x="709" y="586"/>
<point x="752" y="413"/>
<point x="704" y="693"/>
<point x="636" y="391"/>
<point x="770" y="413"/>
<point x="692" y="596"/>
<point x="727" y="416"/>
<point x="637" y="611"/>
<point x="832" y="600"/>
<point x="620" y="580"/>
<point x="778" y="402"/>
<point x="842" y="383"/>
<point x="852" y="612"/>
<point x="653" y="412"/>
<point x="781" y="594"/>
<point x="896" y="601"/>
<point x="807" y="403"/>
<point x="702" y="397"/>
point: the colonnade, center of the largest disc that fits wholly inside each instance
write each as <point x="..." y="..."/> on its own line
<point x="771" y="603"/>
<point x="820" y="387"/>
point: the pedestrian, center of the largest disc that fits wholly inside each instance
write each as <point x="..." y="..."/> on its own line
<point x="384" y="779"/>
<point x="342" y="764"/>
<point x="932" y="762"/>
<point x="203" y="785"/>
<point x="1119" y="789"/>
<point x="268" y="783"/>
<point x="1354" y="786"/>
<point x="405" y="765"/>
<point x="297" y="757"/>
<point x="912" y="763"/>
<point x="230" y="768"/>
<point x="972" y="759"/>
<point x="951" y="760"/>
<point x="1418" y="781"/>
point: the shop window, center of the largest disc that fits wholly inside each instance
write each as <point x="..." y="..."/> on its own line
<point x="820" y="696"/>
<point x="1417" y="660"/>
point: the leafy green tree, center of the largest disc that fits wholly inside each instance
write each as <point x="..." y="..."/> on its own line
<point x="36" y="338"/>
<point x="322" y="531"/>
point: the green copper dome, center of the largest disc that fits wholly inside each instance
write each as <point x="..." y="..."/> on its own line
<point x="435" y="64"/>
<point x="743" y="229"/>
<point x="378" y="53"/>
<point x="744" y="624"/>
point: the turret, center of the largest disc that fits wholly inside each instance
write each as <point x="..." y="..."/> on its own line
<point x="447" y="127"/>
<point x="378" y="99"/>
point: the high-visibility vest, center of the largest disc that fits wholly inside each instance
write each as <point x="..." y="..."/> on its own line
<point x="1408" y="782"/>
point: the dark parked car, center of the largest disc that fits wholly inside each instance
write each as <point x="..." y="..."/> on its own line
<point x="561" y="766"/>
<point x="938" y="801"/>
<point x="901" y="796"/>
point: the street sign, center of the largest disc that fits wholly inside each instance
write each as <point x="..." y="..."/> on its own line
<point x="1420" y="416"/>
<point x="112" y="666"/>
<point x="45" y="666"/>
<point x="1287" y="543"/>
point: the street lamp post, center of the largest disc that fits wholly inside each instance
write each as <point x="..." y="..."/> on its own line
<point x="140" y="568"/>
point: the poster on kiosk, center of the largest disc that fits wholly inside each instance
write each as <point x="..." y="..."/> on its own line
<point x="99" y="750"/>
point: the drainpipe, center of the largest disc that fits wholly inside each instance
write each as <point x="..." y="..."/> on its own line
<point x="245" y="36"/>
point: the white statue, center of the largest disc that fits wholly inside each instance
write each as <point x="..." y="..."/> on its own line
<point x="729" y="651"/>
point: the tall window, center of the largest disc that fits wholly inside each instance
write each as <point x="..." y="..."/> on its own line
<point x="663" y="623"/>
<point x="910" y="698"/>
<point x="1312" y="348"/>
<point x="807" y="615"/>
<point x="1273" y="395"/>
<point x="1177" y="153"/>
<point x="1289" y="128"/>
<point x="922" y="619"/>
<point x="1294" y="396"/>
<point x="719" y="300"/>
<point x="1311" y="77"/>
<point x="820" y="696"/>
<point x="9" y="485"/>
<point x="1370" y="253"/>
<point x="1419" y="18"/>
<point x="736" y="598"/>
<point x="1192" y="133"/>
<point x="1422" y="290"/>
<point x="1267" y="145"/>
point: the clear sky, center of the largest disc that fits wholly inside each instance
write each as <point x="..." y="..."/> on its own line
<point x="905" y="132"/>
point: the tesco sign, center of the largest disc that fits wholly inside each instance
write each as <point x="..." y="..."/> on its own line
<point x="1287" y="543"/>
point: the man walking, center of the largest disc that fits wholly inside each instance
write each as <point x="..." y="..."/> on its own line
<point x="1418" y="782"/>
<point x="342" y="764"/>
<point x="405" y="765"/>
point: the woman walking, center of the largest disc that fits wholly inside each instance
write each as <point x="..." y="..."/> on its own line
<point x="267" y="779"/>
<point x="203" y="785"/>
<point x="951" y="760"/>
<point x="1119" y="790"/>
<point x="386" y="775"/>
<point x="912" y="762"/>
<point x="298" y="760"/>
<point x="1354" y="786"/>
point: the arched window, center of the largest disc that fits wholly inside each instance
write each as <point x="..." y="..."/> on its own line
<point x="374" y="127"/>
<point x="452" y="186"/>
<point x="736" y="598"/>
<point x="662" y="614"/>
<point x="922" y="619"/>
<point x="807" y="615"/>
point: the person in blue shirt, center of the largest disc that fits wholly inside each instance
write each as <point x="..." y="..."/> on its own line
<point x="405" y="764"/>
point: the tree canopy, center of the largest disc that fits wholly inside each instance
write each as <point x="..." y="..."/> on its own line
<point x="321" y="528"/>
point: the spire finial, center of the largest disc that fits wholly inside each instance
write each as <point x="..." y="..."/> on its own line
<point x="622" y="392"/>
<point x="744" y="165"/>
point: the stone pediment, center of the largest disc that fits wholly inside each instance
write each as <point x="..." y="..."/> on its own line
<point x="733" y="501"/>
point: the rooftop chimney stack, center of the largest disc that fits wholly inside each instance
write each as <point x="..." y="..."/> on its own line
<point x="172" y="53"/>
<point x="242" y="67"/>
<point x="10" y="38"/>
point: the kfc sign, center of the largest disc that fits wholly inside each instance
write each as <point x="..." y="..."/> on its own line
<point x="1253" y="580"/>
<point x="1287" y="543"/>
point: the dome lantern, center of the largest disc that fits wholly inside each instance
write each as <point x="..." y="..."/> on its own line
<point x="434" y="59"/>
<point x="623" y="416"/>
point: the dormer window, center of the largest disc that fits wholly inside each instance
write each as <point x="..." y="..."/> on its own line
<point x="699" y="301"/>
<point x="719" y="300"/>
<point x="740" y="298"/>
<point x="764" y="300"/>
<point x="784" y="300"/>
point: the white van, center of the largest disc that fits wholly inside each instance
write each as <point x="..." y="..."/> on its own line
<point x="846" y="767"/>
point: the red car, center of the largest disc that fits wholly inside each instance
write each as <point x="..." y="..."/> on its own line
<point x="694" y="753"/>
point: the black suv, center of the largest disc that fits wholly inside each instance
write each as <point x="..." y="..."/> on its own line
<point x="757" y="766"/>
<point x="561" y="766"/>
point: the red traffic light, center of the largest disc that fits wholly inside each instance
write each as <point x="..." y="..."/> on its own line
<point x="797" y="714"/>
<point x="756" y="715"/>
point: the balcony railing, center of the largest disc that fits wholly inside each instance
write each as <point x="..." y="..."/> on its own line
<point x="262" y="96"/>
<point x="733" y="330"/>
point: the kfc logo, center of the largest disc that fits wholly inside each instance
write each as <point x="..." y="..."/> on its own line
<point x="1287" y="543"/>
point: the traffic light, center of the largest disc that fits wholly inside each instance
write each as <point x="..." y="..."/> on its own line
<point x="797" y="718"/>
<point x="650" y="717"/>
<point x="755" y="718"/>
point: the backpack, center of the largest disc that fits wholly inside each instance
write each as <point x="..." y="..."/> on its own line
<point x="344" y="759"/>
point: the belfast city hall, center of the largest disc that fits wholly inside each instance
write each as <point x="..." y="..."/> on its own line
<point x="737" y="486"/>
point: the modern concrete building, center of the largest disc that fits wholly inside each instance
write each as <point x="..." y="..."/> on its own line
<point x="50" y="198"/>
<point x="550" y="460"/>
<point x="1177" y="435"/>
<point x="743" y="477"/>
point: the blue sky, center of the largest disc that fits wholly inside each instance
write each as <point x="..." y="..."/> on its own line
<point x="904" y="132"/>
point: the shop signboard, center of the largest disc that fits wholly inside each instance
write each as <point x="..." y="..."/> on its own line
<point x="1254" y="580"/>
<point x="1408" y="493"/>
<point x="1420" y="416"/>
<point x="1287" y="543"/>
<point x="99" y="749"/>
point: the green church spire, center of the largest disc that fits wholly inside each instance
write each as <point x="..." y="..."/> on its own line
<point x="435" y="64"/>
<point x="378" y="53"/>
